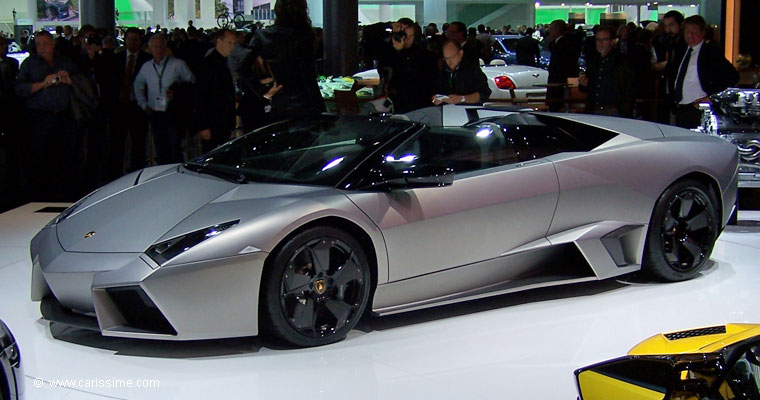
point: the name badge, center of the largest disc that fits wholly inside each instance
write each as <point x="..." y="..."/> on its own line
<point x="161" y="103"/>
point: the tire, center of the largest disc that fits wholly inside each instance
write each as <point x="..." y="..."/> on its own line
<point x="223" y="21"/>
<point x="239" y="20"/>
<point x="682" y="232"/>
<point x="315" y="289"/>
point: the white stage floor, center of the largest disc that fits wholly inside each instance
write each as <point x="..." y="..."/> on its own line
<point x="524" y="345"/>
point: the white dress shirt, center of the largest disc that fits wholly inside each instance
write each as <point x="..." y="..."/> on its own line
<point x="692" y="89"/>
<point x="154" y="80"/>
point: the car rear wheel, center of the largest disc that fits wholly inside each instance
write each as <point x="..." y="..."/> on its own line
<point x="682" y="232"/>
<point x="316" y="288"/>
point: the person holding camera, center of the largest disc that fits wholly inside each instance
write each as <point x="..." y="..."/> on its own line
<point x="406" y="68"/>
<point x="44" y="81"/>
<point x="409" y="72"/>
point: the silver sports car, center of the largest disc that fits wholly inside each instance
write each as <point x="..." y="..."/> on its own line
<point x="296" y="230"/>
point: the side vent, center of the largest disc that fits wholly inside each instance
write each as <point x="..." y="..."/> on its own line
<point x="713" y="330"/>
<point x="622" y="244"/>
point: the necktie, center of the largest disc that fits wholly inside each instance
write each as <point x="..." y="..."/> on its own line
<point x="126" y="84"/>
<point x="678" y="95"/>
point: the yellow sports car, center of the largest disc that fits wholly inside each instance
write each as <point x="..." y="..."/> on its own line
<point x="716" y="363"/>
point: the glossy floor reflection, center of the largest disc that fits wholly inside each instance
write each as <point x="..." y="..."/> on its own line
<point x="523" y="345"/>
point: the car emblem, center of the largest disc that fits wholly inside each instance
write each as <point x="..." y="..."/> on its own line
<point x="536" y="75"/>
<point x="320" y="286"/>
<point x="89" y="234"/>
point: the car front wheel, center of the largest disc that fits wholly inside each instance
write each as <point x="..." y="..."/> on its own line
<point x="682" y="232"/>
<point x="316" y="288"/>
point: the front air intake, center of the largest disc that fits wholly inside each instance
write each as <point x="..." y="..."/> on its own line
<point x="713" y="330"/>
<point x="139" y="311"/>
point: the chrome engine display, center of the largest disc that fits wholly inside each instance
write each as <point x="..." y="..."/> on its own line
<point x="734" y="115"/>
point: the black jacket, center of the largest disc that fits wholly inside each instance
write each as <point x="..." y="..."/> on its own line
<point x="253" y="104"/>
<point x="290" y="55"/>
<point x="119" y="62"/>
<point x="468" y="78"/>
<point x="715" y="72"/>
<point x="528" y="51"/>
<point x="564" y="61"/>
<point x="410" y="76"/>
<point x="623" y="84"/>
<point x="376" y="42"/>
<point x="215" y="95"/>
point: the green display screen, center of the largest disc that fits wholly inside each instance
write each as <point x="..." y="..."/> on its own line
<point x="545" y="15"/>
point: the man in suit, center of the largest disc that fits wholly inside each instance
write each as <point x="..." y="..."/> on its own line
<point x="700" y="70"/>
<point x="563" y="64"/>
<point x="127" y="117"/>
<point x="215" y="93"/>
<point x="528" y="50"/>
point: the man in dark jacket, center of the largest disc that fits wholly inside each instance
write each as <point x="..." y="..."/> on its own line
<point x="609" y="79"/>
<point x="700" y="70"/>
<point x="528" y="50"/>
<point x="563" y="64"/>
<point x="44" y="81"/>
<point x="126" y="116"/>
<point x="460" y="82"/>
<point x="215" y="93"/>
<point x="409" y="72"/>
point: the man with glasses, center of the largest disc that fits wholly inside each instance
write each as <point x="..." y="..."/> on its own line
<point x="609" y="80"/>
<point x="459" y="82"/>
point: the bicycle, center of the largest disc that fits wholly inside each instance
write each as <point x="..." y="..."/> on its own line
<point x="237" y="20"/>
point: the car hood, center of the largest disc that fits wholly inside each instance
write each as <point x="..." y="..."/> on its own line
<point x="128" y="216"/>
<point x="131" y="219"/>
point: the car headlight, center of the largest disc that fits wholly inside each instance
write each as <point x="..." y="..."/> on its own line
<point x="166" y="250"/>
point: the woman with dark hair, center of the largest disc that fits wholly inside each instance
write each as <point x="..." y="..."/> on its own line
<point x="287" y="50"/>
<point x="258" y="88"/>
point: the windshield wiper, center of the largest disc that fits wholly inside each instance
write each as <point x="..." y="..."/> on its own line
<point x="234" y="177"/>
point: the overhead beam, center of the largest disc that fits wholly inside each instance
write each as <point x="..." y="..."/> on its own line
<point x="496" y="14"/>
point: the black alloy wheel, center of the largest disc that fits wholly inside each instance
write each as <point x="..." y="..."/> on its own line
<point x="316" y="289"/>
<point x="682" y="232"/>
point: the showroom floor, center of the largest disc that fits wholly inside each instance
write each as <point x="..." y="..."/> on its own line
<point x="523" y="345"/>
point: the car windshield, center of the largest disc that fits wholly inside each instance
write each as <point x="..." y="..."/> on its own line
<point x="510" y="43"/>
<point x="316" y="151"/>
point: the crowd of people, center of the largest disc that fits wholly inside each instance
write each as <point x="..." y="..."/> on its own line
<point x="661" y="72"/>
<point x="78" y="112"/>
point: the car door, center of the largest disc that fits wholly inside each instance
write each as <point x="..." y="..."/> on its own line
<point x="499" y="200"/>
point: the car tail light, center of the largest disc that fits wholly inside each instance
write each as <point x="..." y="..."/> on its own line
<point x="503" y="82"/>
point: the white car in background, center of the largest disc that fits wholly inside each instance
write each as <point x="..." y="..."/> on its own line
<point x="507" y="82"/>
<point x="15" y="51"/>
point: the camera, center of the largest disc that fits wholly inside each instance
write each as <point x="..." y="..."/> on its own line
<point x="56" y="79"/>
<point x="398" y="36"/>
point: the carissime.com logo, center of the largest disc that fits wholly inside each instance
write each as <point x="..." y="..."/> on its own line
<point x="98" y="383"/>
